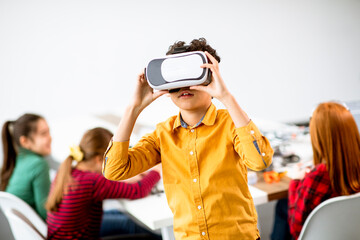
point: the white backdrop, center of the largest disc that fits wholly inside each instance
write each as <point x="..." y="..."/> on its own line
<point x="279" y="58"/>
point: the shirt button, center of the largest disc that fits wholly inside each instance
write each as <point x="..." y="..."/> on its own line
<point x="263" y="154"/>
<point x="199" y="207"/>
<point x="191" y="152"/>
<point x="192" y="130"/>
<point x="252" y="132"/>
<point x="203" y="233"/>
<point x="195" y="180"/>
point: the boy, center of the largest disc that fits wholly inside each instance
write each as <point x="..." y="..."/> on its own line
<point x="204" y="154"/>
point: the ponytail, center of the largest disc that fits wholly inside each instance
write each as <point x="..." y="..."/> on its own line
<point x="11" y="133"/>
<point x="9" y="154"/>
<point x="61" y="183"/>
<point x="93" y="143"/>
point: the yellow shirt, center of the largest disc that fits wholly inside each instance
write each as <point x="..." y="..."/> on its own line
<point x="204" y="173"/>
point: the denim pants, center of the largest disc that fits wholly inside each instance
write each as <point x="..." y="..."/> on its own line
<point x="115" y="223"/>
<point x="281" y="229"/>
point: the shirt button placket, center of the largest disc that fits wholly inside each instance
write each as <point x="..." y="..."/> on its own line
<point x="196" y="183"/>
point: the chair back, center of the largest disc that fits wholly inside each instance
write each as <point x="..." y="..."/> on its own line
<point x="333" y="219"/>
<point x="24" y="222"/>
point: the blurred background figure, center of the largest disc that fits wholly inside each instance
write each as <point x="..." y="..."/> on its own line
<point x="76" y="198"/>
<point x="25" y="172"/>
<point x="335" y="142"/>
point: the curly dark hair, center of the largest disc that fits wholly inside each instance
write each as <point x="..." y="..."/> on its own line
<point x="195" y="45"/>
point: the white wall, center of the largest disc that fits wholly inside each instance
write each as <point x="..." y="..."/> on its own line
<point x="279" y="58"/>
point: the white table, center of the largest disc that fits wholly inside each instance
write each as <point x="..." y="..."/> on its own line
<point x="153" y="211"/>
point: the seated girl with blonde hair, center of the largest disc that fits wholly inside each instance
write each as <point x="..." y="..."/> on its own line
<point x="77" y="194"/>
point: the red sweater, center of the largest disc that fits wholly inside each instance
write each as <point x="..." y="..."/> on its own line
<point x="80" y="211"/>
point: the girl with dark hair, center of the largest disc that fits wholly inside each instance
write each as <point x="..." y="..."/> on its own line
<point x="77" y="194"/>
<point x="25" y="173"/>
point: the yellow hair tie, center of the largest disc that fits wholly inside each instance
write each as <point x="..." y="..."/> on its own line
<point x="76" y="153"/>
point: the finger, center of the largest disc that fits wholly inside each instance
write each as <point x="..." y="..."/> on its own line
<point x="159" y="93"/>
<point x="206" y="65"/>
<point x="139" y="76"/>
<point x="199" y="88"/>
<point x="210" y="66"/>
<point x="142" y="77"/>
<point x="142" y="73"/>
<point x="212" y="59"/>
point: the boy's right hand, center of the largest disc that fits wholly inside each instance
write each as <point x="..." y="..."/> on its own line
<point x="144" y="94"/>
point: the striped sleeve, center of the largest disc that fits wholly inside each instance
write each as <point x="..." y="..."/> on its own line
<point x="105" y="189"/>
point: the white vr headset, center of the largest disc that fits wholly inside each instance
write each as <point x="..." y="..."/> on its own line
<point x="177" y="71"/>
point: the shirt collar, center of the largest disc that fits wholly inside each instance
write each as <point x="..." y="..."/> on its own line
<point x="208" y="119"/>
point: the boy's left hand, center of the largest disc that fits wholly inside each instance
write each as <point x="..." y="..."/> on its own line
<point x="217" y="86"/>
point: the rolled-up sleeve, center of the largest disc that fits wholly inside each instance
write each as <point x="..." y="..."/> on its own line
<point x="254" y="148"/>
<point x="121" y="162"/>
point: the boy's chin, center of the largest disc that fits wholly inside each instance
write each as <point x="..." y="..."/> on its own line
<point x="189" y="106"/>
<point x="192" y="103"/>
